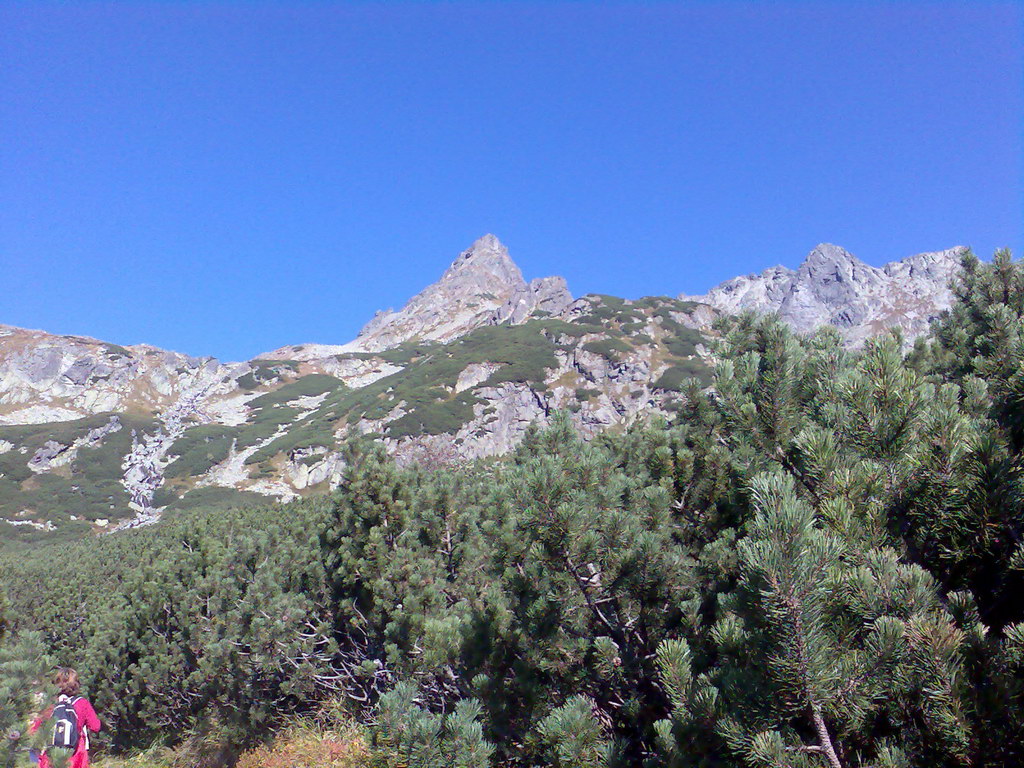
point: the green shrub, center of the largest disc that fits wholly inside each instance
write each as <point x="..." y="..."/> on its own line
<point x="676" y="377"/>
<point x="200" y="448"/>
<point x="307" y="386"/>
<point x="264" y="371"/>
<point x="613" y="349"/>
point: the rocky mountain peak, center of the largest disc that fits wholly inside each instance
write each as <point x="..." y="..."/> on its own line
<point x="829" y="264"/>
<point x="484" y="266"/>
<point x="832" y="286"/>
<point x="488" y="255"/>
<point x="827" y="255"/>
<point x="483" y="286"/>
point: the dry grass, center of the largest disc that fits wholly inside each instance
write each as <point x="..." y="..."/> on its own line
<point x="326" y="742"/>
<point x="157" y="757"/>
<point x="306" y="745"/>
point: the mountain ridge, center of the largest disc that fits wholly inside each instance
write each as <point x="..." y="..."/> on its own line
<point x="833" y="287"/>
<point x="96" y="436"/>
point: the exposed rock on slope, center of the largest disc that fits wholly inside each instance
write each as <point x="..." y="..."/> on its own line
<point x="834" y="287"/>
<point x="607" y="361"/>
<point x="54" y="454"/>
<point x="46" y="378"/>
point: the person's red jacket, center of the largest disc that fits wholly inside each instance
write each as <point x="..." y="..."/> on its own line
<point x="87" y="722"/>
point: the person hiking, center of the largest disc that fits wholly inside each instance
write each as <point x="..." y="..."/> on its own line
<point x="72" y="718"/>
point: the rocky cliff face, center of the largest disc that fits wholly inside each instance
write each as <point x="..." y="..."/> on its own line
<point x="833" y="287"/>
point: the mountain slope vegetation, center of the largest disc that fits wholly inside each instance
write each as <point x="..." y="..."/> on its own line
<point x="276" y="428"/>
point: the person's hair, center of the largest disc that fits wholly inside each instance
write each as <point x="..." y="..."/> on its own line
<point x="66" y="681"/>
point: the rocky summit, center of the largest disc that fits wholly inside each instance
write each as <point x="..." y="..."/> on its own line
<point x="483" y="286"/>
<point x="98" y="437"/>
<point x="834" y="287"/>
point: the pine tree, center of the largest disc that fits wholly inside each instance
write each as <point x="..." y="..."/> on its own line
<point x="575" y="736"/>
<point x="590" y="583"/>
<point x="823" y="655"/>
<point x="977" y="542"/>
<point x="978" y="345"/>
<point x="807" y="656"/>
<point x="414" y="737"/>
<point x="23" y="667"/>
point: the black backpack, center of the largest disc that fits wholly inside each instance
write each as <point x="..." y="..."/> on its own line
<point x="65" y="723"/>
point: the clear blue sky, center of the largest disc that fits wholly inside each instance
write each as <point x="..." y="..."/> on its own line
<point x="227" y="178"/>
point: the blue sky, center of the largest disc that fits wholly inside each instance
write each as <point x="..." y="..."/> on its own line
<point x="228" y="178"/>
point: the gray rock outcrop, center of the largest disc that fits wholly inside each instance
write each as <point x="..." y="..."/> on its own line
<point x="549" y="295"/>
<point x="833" y="287"/>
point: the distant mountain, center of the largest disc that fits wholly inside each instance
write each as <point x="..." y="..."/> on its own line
<point x="833" y="287"/>
<point x="94" y="436"/>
